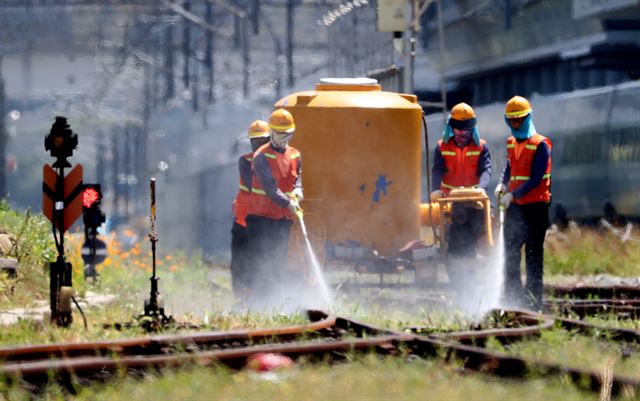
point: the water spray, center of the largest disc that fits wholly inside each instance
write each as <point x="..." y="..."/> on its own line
<point x="312" y="256"/>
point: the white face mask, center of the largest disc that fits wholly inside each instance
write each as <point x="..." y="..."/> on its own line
<point x="280" y="139"/>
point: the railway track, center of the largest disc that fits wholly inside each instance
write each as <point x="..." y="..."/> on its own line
<point x="324" y="338"/>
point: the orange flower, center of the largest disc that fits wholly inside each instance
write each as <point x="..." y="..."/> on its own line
<point x="173" y="268"/>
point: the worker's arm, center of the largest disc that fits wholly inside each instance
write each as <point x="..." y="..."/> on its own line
<point x="263" y="174"/>
<point x="538" y="168"/>
<point x="244" y="168"/>
<point x="438" y="169"/>
<point x="297" y="186"/>
<point x="506" y="174"/>
<point x="484" y="168"/>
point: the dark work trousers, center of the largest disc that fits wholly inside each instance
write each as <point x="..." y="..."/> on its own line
<point x="269" y="242"/>
<point x="463" y="234"/>
<point x="525" y="225"/>
<point x="239" y="255"/>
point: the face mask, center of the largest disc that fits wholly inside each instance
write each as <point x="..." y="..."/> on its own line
<point x="280" y="140"/>
<point x="526" y="130"/>
<point x="463" y="139"/>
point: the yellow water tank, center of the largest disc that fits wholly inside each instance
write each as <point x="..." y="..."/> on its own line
<point x="361" y="162"/>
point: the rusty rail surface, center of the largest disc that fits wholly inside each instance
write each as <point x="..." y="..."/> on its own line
<point x="332" y="338"/>
<point x="158" y="344"/>
<point x="592" y="291"/>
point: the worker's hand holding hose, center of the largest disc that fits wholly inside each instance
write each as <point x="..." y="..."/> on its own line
<point x="293" y="206"/>
<point x="297" y="194"/>
<point x="505" y="200"/>
<point x="500" y="190"/>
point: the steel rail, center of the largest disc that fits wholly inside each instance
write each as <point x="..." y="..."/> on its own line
<point x="587" y="291"/>
<point x="159" y="343"/>
<point x="42" y="370"/>
<point x="533" y="325"/>
<point x="375" y="339"/>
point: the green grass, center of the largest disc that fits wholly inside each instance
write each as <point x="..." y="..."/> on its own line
<point x="580" y="351"/>
<point x="587" y="252"/>
<point x="186" y="284"/>
<point x="33" y="247"/>
<point x="364" y="378"/>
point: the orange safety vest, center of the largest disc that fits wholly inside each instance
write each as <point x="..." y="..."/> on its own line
<point x="241" y="202"/>
<point x="461" y="165"/>
<point x="284" y="169"/>
<point x="520" y="160"/>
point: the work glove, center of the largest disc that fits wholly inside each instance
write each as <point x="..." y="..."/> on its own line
<point x="297" y="194"/>
<point x="293" y="206"/>
<point x="500" y="190"/>
<point x="435" y="195"/>
<point x="505" y="200"/>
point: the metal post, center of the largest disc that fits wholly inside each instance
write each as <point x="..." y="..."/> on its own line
<point x="245" y="56"/>
<point x="170" y="88"/>
<point x="290" y="36"/>
<point x="209" y="52"/>
<point x="186" y="42"/>
<point x="443" y="79"/>
<point x="115" y="172"/>
<point x="3" y="138"/>
<point x="195" y="87"/>
<point x="153" y="237"/>
<point x="127" y="167"/>
<point x="409" y="41"/>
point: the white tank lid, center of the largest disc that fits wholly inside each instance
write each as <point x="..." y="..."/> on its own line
<point x="348" y="81"/>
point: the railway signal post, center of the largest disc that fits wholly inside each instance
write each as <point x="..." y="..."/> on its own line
<point x="153" y="317"/>
<point x="93" y="250"/>
<point x="62" y="205"/>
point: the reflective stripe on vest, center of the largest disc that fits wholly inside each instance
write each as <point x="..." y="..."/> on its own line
<point x="521" y="155"/>
<point x="461" y="165"/>
<point x="284" y="170"/>
<point x="262" y="192"/>
<point x="525" y="178"/>
<point x="241" y="202"/>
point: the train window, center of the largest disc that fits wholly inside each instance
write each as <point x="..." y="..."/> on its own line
<point x="625" y="145"/>
<point x="585" y="148"/>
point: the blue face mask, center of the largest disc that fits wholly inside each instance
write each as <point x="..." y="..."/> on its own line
<point x="526" y="130"/>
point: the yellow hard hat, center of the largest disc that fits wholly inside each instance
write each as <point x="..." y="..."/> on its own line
<point x="462" y="116"/>
<point x="462" y="112"/>
<point x="517" y="107"/>
<point x="282" y="121"/>
<point x="258" y="129"/>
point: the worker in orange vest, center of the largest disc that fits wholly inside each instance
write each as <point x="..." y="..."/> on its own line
<point x="525" y="192"/>
<point x="461" y="160"/>
<point x="258" y="135"/>
<point x="274" y="201"/>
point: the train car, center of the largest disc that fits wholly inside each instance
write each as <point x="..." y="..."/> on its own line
<point x="596" y="148"/>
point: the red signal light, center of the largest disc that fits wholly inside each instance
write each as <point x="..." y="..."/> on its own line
<point x="89" y="197"/>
